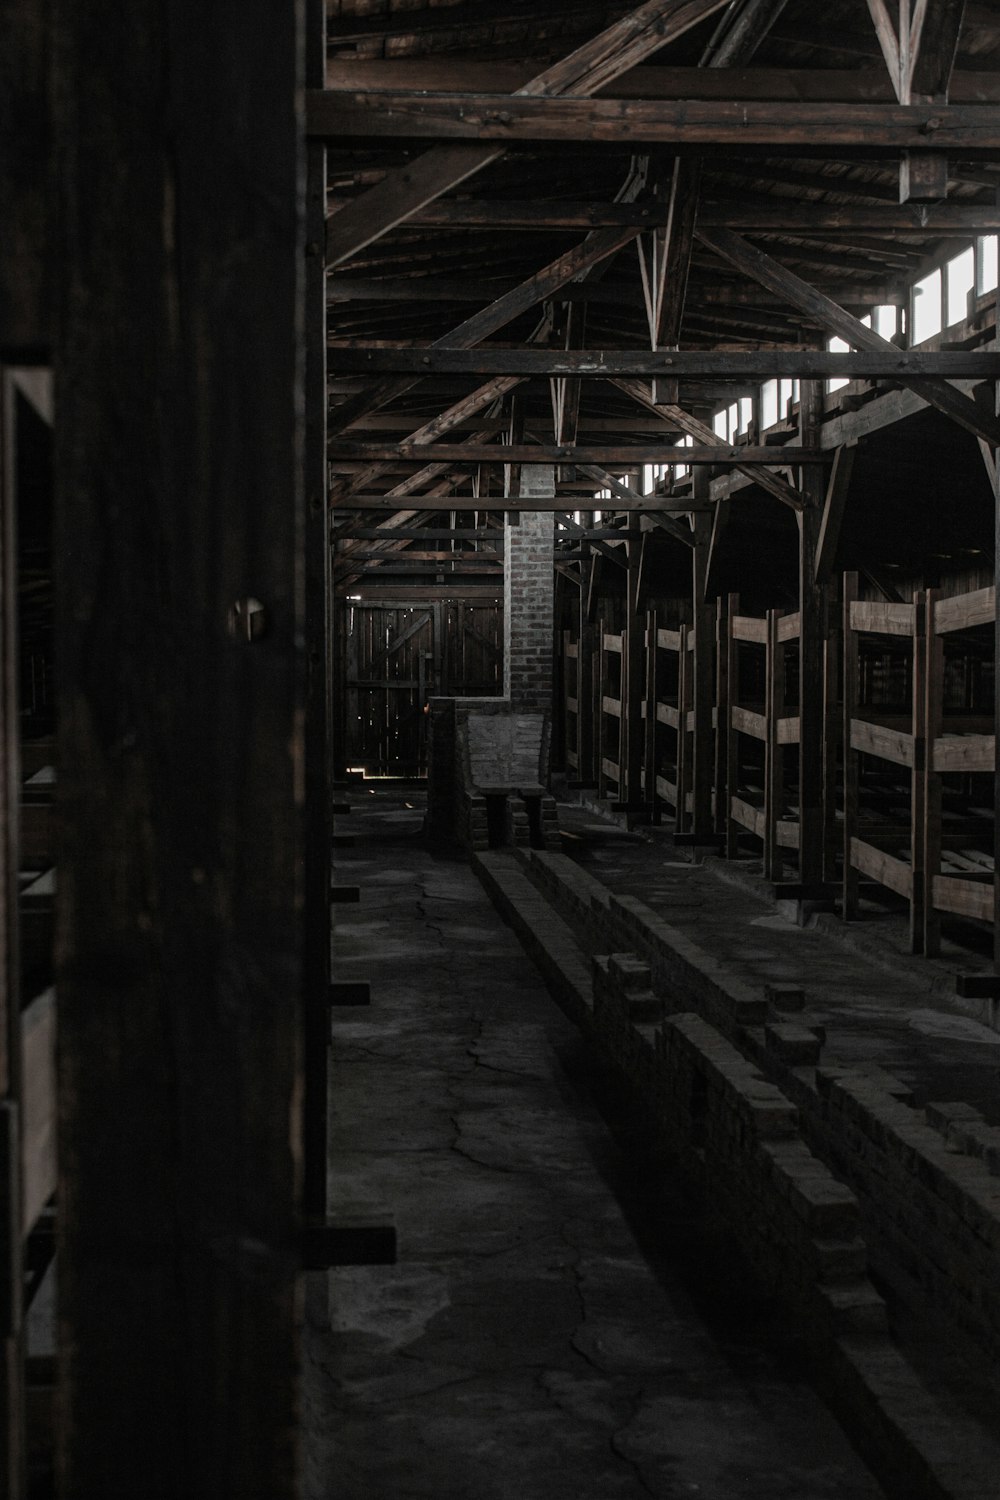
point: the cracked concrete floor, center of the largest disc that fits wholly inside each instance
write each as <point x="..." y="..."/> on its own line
<point x="524" y="1347"/>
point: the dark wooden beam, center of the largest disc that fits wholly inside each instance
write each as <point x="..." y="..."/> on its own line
<point x="880" y="361"/>
<point x="421" y="289"/>
<point x="834" y="505"/>
<point x="446" y="421"/>
<point x="740" y="32"/>
<point x="753" y="262"/>
<point x="933" y="46"/>
<point x="806" y="126"/>
<point x="180" y="702"/>
<point x="594" y="65"/>
<point x="578" y="455"/>
<point x="662" y="505"/>
<point x="318" y="719"/>
<point x="28" y="266"/>
<point x="888" y="40"/>
<point x="624" y="492"/>
<point x="701" y="432"/>
<point x="468" y="75"/>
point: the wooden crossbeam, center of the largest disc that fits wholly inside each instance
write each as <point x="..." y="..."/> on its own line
<point x="701" y="432"/>
<point x="934" y="32"/>
<point x="740" y="32"/>
<point x="881" y="361"/>
<point x="662" y="505"/>
<point x="579" y="455"/>
<point x="590" y="67"/>
<point x="624" y="492"/>
<point x="951" y="219"/>
<point x="716" y="294"/>
<point x="500" y="311"/>
<point x="836" y="85"/>
<point x="753" y="262"/>
<point x="393" y="114"/>
<point x="446" y="421"/>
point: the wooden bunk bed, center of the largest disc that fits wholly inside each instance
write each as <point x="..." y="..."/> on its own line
<point x="960" y="876"/>
<point x="882" y="842"/>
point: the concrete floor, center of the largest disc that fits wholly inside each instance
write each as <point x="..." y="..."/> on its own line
<point x="541" y="1337"/>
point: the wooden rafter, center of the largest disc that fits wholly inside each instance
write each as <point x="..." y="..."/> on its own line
<point x="881" y="361"/>
<point x="740" y="124"/>
<point x="590" y="67"/>
<point x="753" y="262"/>
<point x="676" y="416"/>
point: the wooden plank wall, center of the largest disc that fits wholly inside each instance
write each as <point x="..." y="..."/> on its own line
<point x="179" y="484"/>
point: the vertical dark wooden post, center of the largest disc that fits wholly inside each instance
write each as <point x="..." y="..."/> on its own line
<point x="732" y="740"/>
<point x="586" y="772"/>
<point x="316" y="947"/>
<point x="179" y="613"/>
<point x="774" y="707"/>
<point x="720" y="810"/>
<point x="849" y="681"/>
<point x="918" y="772"/>
<point x="812" y="635"/>
<point x="650" y="794"/>
<point x="704" y="683"/>
<point x="682" y="821"/>
<point x="634" y="676"/>
<point x="996" y="697"/>
<point x="28" y="298"/>
<point x="931" y="790"/>
<point x="12" y="1456"/>
<point x="27" y="324"/>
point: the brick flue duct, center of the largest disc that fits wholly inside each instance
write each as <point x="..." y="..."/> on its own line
<point x="529" y="595"/>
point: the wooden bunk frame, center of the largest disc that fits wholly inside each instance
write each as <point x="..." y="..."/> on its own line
<point x="959" y="879"/>
<point x="898" y="739"/>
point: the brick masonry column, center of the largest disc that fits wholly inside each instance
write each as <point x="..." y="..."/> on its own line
<point x="529" y="595"/>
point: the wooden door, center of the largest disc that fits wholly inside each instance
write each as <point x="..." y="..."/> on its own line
<point x="401" y="654"/>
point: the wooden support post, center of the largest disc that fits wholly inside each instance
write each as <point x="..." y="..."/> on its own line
<point x="650" y="794"/>
<point x="29" y="266"/>
<point x="600" y="736"/>
<point x="732" y="739"/>
<point x="832" y="657"/>
<point x="720" y="805"/>
<point x="681" y="821"/>
<point x="918" y="773"/>
<point x="12" y="1455"/>
<point x="586" y="770"/>
<point x="774" y="759"/>
<point x="812" y="638"/>
<point x="180" y="694"/>
<point x="933" y="723"/>
<point x="849" y="678"/>
<point x="703" y="675"/>
<point x="633" y="677"/>
<point x="318" y="819"/>
<point x="996" y="695"/>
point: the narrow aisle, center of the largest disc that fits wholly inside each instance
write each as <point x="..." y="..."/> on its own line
<point x="523" y="1348"/>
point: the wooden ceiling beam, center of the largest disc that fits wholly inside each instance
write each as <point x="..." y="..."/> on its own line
<point x="701" y="432"/>
<point x="684" y="123"/>
<point x="740" y="32"/>
<point x="578" y="455"/>
<point x="716" y="293"/>
<point x="592" y="66"/>
<point x="953" y="403"/>
<point x="745" y="214"/>
<point x="883" y="361"/>
<point x="933" y="46"/>
<point x="446" y="421"/>
<point x="474" y="76"/>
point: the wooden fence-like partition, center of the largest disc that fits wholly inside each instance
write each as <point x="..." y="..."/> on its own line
<point x="884" y="809"/>
<point x="961" y="753"/>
